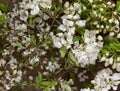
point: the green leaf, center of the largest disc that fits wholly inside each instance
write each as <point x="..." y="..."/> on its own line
<point x="107" y="14"/>
<point x="3" y="19"/>
<point x="39" y="78"/>
<point x="19" y="44"/>
<point x="76" y="38"/>
<point x="85" y="14"/>
<point x="114" y="40"/>
<point x="72" y="76"/>
<point x="111" y="46"/>
<point x="73" y="59"/>
<point x="48" y="83"/>
<point x="47" y="89"/>
<point x="115" y="46"/>
<point x="88" y="85"/>
<point x="106" y="49"/>
<point x="31" y="20"/>
<point x="118" y="6"/>
<point x="4" y="8"/>
<point x="63" y="51"/>
<point x="33" y="40"/>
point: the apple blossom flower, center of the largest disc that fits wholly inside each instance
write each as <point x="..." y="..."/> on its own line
<point x="80" y="23"/>
<point x="35" y="10"/>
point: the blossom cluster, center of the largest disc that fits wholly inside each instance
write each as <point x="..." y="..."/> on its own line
<point x="105" y="80"/>
<point x="87" y="54"/>
<point x="67" y="28"/>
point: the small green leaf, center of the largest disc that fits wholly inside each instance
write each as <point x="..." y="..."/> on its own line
<point x="72" y="76"/>
<point x="88" y="85"/>
<point x="111" y="46"/>
<point x="47" y="89"/>
<point x="3" y="19"/>
<point x="19" y="44"/>
<point x="114" y="40"/>
<point x="48" y="83"/>
<point x="31" y="20"/>
<point x="33" y="40"/>
<point x="85" y="14"/>
<point x="63" y="51"/>
<point x="4" y="8"/>
<point x="107" y="14"/>
<point x="39" y="78"/>
<point x="76" y="38"/>
<point x="73" y="59"/>
<point x="115" y="46"/>
<point x="118" y="6"/>
<point x="106" y="49"/>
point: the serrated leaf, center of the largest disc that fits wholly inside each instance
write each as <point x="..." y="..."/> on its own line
<point x="63" y="51"/>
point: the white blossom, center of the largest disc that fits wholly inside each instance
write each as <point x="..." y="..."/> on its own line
<point x="34" y="60"/>
<point x="82" y="77"/>
<point x="66" y="25"/>
<point x="52" y="66"/>
<point x="23" y="15"/>
<point x="45" y="3"/>
<point x="118" y="35"/>
<point x="35" y="10"/>
<point x="2" y="62"/>
<point x="66" y="5"/>
<point x="81" y="23"/>
<point x="89" y="37"/>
